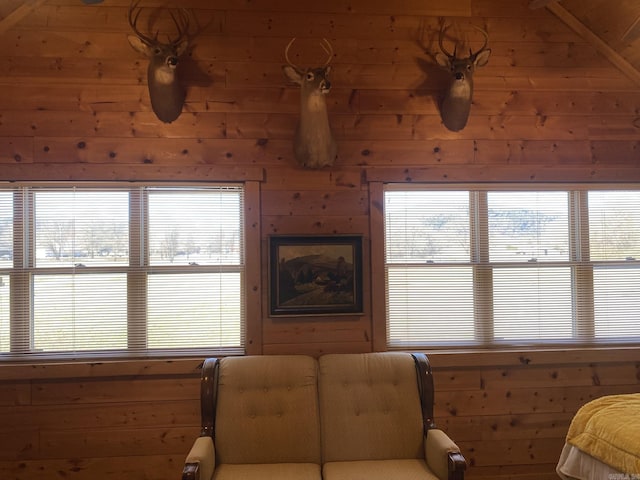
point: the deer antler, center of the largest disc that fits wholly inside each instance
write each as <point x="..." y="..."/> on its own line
<point x="286" y="54"/>
<point x="443" y="29"/>
<point x="484" y="46"/>
<point x="133" y="20"/>
<point x="182" y="25"/>
<point x="325" y="44"/>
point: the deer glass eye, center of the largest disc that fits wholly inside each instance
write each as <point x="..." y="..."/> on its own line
<point x="309" y="76"/>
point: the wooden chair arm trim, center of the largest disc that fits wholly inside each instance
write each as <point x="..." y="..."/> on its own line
<point x="209" y="396"/>
<point x="457" y="466"/>
<point x="425" y="389"/>
<point x="190" y="471"/>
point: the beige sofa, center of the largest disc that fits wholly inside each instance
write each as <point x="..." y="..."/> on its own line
<point x="339" y="417"/>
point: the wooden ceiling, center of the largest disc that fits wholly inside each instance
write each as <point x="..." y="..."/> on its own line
<point x="613" y="27"/>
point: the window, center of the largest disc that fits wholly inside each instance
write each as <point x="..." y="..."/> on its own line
<point x="496" y="267"/>
<point x="121" y="271"/>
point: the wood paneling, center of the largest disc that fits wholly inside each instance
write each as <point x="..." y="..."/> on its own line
<point x="74" y="106"/>
<point x="508" y="411"/>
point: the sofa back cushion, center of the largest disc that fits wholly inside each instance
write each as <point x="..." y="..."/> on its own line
<point x="267" y="410"/>
<point x="370" y="407"/>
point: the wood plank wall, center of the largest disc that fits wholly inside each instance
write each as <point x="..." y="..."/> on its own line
<point x="508" y="412"/>
<point x="74" y="106"/>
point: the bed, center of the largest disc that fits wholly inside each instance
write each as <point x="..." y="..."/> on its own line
<point x="603" y="441"/>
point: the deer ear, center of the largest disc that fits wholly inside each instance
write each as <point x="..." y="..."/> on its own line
<point x="483" y="58"/>
<point x="182" y="47"/>
<point x="443" y="60"/>
<point x="138" y="45"/>
<point x="292" y="74"/>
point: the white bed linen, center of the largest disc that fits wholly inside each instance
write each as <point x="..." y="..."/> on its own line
<point x="574" y="464"/>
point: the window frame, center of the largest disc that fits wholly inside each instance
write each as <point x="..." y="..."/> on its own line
<point x="23" y="269"/>
<point x="579" y="245"/>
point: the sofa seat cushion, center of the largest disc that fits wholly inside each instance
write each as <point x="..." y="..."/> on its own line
<point x="406" y="469"/>
<point x="268" y="471"/>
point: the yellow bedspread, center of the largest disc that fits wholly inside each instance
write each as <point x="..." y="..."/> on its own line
<point x="608" y="428"/>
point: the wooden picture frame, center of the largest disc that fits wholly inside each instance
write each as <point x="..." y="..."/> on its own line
<point x="315" y="275"/>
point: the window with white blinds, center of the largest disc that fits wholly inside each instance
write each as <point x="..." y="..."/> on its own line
<point x="121" y="271"/>
<point x="479" y="268"/>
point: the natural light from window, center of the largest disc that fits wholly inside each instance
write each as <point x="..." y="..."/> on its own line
<point x="480" y="268"/>
<point x="126" y="270"/>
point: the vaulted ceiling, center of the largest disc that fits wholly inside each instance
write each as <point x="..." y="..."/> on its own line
<point x="613" y="27"/>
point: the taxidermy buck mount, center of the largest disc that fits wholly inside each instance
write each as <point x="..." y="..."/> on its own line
<point x="166" y="93"/>
<point x="314" y="145"/>
<point x="456" y="103"/>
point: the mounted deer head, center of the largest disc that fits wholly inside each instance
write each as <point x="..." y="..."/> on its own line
<point x="456" y="104"/>
<point x="314" y="145"/>
<point x="167" y="95"/>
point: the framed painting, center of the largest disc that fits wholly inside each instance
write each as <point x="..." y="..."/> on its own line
<point x="315" y="275"/>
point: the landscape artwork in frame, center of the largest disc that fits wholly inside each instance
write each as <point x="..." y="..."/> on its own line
<point x="315" y="275"/>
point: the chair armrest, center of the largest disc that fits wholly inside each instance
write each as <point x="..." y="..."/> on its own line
<point x="190" y="471"/>
<point x="457" y="466"/>
<point x="201" y="460"/>
<point x="443" y="456"/>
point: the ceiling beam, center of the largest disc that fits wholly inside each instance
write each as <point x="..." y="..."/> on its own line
<point x="535" y="4"/>
<point x="581" y="29"/>
<point x="18" y="14"/>
<point x="633" y="32"/>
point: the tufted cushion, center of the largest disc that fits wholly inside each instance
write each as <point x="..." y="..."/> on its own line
<point x="370" y="407"/>
<point x="267" y="410"/>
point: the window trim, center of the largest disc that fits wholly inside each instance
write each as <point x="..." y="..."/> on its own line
<point x="377" y="191"/>
<point x="20" y="279"/>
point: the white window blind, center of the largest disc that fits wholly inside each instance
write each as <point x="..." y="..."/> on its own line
<point x="483" y="268"/>
<point x="614" y="223"/>
<point x="6" y="262"/>
<point x="121" y="271"/>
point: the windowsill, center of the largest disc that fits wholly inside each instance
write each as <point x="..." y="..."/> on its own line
<point x="135" y="368"/>
<point x="190" y="367"/>
<point x="532" y="356"/>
